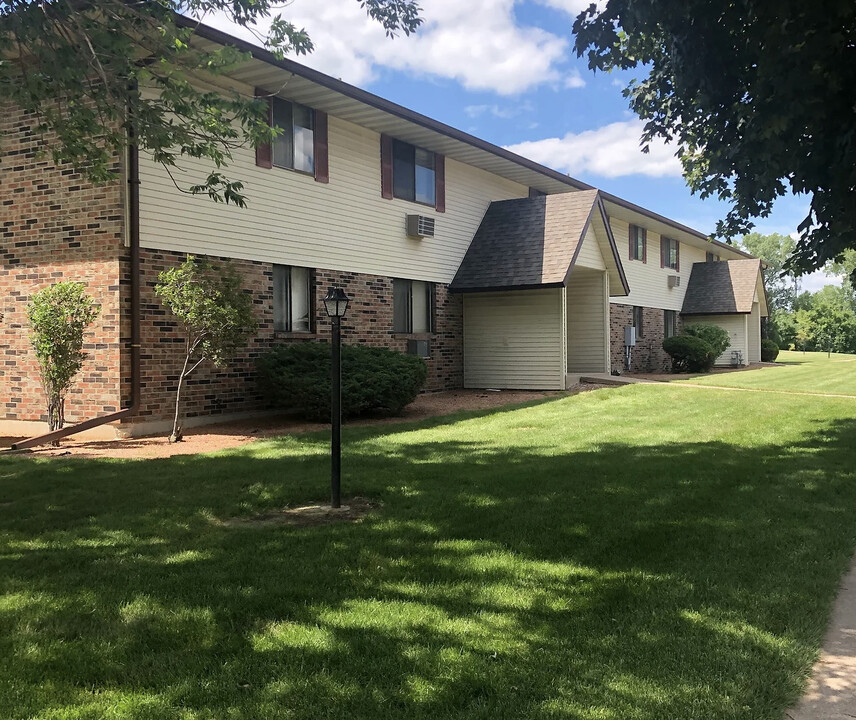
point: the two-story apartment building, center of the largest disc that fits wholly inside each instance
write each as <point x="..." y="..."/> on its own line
<point x="499" y="271"/>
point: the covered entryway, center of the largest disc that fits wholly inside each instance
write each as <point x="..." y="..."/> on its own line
<point x="536" y="282"/>
<point x="729" y="294"/>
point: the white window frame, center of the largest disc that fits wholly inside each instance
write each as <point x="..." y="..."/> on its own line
<point x="670" y="250"/>
<point x="670" y="329"/>
<point x="418" y="168"/>
<point x="639" y="243"/>
<point x="640" y="325"/>
<point x="288" y="142"/>
<point x="415" y="294"/>
<point x="292" y="299"/>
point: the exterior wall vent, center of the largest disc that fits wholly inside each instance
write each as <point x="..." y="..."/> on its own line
<point x="674" y="281"/>
<point x="420" y="226"/>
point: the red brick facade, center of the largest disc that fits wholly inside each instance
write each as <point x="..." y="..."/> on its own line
<point x="211" y="392"/>
<point x="648" y="355"/>
<point x="55" y="227"/>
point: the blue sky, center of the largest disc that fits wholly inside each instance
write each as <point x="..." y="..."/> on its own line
<point x="504" y="70"/>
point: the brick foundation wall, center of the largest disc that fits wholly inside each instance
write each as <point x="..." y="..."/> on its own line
<point x="213" y="392"/>
<point x="648" y="355"/>
<point x="55" y="227"/>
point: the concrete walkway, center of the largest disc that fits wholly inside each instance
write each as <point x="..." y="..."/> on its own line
<point x="831" y="692"/>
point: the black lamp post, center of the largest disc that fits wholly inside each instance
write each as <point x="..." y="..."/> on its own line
<point x="336" y="305"/>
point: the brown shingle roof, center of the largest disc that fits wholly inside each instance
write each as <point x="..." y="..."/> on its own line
<point x="528" y="242"/>
<point x="721" y="288"/>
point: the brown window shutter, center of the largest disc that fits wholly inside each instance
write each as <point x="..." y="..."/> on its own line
<point x="439" y="183"/>
<point x="322" y="153"/>
<point x="644" y="246"/>
<point x="662" y="251"/>
<point x="631" y="236"/>
<point x="264" y="152"/>
<point x="677" y="256"/>
<point x="386" y="167"/>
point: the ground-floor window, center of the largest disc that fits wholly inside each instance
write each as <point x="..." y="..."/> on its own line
<point x="637" y="321"/>
<point x="292" y="299"/>
<point x="670" y="323"/>
<point x="413" y="306"/>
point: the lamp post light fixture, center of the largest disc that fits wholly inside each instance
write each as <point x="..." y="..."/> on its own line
<point x="336" y="305"/>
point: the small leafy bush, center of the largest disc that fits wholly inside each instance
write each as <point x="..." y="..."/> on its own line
<point x="713" y="335"/>
<point x="769" y="351"/>
<point x="214" y="312"/>
<point x="373" y="379"/>
<point x="59" y="316"/>
<point x="689" y="353"/>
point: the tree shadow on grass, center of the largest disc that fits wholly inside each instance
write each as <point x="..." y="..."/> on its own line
<point x="689" y="580"/>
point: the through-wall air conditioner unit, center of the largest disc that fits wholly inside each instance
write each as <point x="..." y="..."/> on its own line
<point x="420" y="226"/>
<point x="674" y="281"/>
<point x="420" y="348"/>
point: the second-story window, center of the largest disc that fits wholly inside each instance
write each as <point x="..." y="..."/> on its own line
<point x="671" y="254"/>
<point x="638" y="241"/>
<point x="712" y="257"/>
<point x="413" y="173"/>
<point x="294" y="147"/>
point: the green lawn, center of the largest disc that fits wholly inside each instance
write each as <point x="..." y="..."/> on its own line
<point x="648" y="552"/>
<point x="801" y="372"/>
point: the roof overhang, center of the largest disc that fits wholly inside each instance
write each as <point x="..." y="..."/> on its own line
<point x="350" y="103"/>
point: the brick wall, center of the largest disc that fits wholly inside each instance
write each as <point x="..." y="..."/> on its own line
<point x="54" y="227"/>
<point x="212" y="392"/>
<point x="648" y="355"/>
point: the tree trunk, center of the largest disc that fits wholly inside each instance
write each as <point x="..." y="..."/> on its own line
<point x="56" y="415"/>
<point x="176" y="435"/>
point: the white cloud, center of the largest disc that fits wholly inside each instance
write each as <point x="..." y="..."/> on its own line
<point x="816" y="281"/>
<point x="503" y="112"/>
<point x="609" y="151"/>
<point x="572" y="7"/>
<point x="477" y="43"/>
<point x="575" y="80"/>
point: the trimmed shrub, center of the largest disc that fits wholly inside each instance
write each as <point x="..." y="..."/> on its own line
<point x="769" y="351"/>
<point x="689" y="353"/>
<point x="713" y="335"/>
<point x="374" y="380"/>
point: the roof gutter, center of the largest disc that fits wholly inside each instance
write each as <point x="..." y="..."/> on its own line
<point x="134" y="241"/>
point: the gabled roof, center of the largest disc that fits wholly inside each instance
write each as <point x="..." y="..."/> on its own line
<point x="533" y="243"/>
<point x="724" y="288"/>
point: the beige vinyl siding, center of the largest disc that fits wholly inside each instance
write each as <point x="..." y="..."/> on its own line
<point x="343" y="225"/>
<point x="648" y="281"/>
<point x="735" y="325"/>
<point x="515" y="339"/>
<point x="588" y="322"/>
<point x="589" y="255"/>
<point x="754" y="330"/>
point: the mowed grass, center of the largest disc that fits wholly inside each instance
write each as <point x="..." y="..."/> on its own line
<point x="800" y="372"/>
<point x="639" y="552"/>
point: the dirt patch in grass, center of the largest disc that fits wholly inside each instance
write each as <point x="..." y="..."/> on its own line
<point x="352" y="510"/>
<point x="229" y="435"/>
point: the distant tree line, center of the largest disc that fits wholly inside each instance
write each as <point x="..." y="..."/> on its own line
<point x="820" y="321"/>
